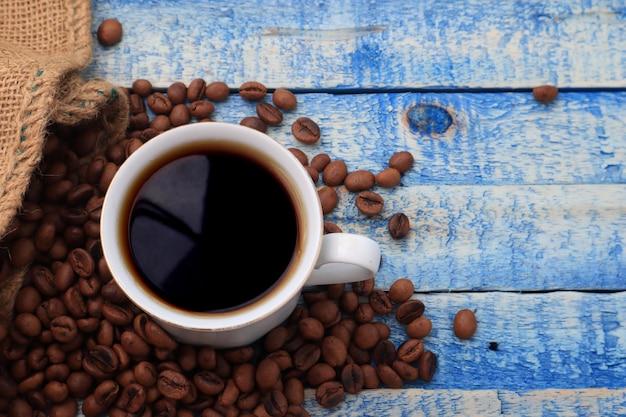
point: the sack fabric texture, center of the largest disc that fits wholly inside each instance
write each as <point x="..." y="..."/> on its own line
<point x="44" y="44"/>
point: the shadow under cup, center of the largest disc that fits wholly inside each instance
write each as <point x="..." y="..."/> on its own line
<point x="212" y="227"/>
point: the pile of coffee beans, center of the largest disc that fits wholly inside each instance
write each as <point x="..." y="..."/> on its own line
<point x="76" y="341"/>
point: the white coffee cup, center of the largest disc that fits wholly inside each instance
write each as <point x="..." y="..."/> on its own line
<point x="320" y="259"/>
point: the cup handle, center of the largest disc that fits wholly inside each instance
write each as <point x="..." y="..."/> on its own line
<point x="345" y="257"/>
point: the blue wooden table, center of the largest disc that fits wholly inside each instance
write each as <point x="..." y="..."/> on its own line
<point x="517" y="208"/>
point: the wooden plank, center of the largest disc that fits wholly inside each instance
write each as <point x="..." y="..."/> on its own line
<point x="383" y="44"/>
<point x="515" y="195"/>
<point x="420" y="402"/>
<point x="569" y="340"/>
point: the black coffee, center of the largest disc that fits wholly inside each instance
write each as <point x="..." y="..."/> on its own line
<point x="212" y="231"/>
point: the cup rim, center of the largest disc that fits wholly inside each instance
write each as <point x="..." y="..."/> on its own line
<point x="298" y="180"/>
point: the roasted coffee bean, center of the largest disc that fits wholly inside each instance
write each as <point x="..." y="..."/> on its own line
<point x="134" y="345"/>
<point x="56" y="391"/>
<point x="159" y="103"/>
<point x="164" y="407"/>
<point x="320" y="161"/>
<point x="89" y="286"/>
<point x="176" y="92"/>
<point x="465" y="324"/>
<point x="44" y="238"/>
<point x="342" y="332"/>
<point x="208" y="382"/>
<point x="27" y="299"/>
<point x="401" y="290"/>
<point x="383" y="330"/>
<point x="228" y="397"/>
<point x="293" y="388"/>
<point x="145" y="373"/>
<point x="284" y="99"/>
<point x="109" y="32"/>
<point x="419" y="328"/>
<point x="384" y="352"/>
<point x="389" y="377"/>
<point x="275" y="403"/>
<point x="366" y="336"/>
<point x="370" y="376"/>
<point x="334" y="351"/>
<point x="252" y="90"/>
<point x="217" y="91"/>
<point x="329" y="394"/>
<point x="349" y="302"/>
<point x="369" y="203"/>
<point x="311" y="328"/>
<point x="296" y="411"/>
<point x="79" y="194"/>
<point x="545" y="93"/>
<point x="36" y="360"/>
<point x="142" y="87"/>
<point x="28" y="324"/>
<point x="22" y="252"/>
<point x="409" y="311"/>
<point x="359" y="180"/>
<point x="254" y="123"/>
<point x="282" y="358"/>
<point x="248" y="401"/>
<point x="402" y="161"/>
<point x="158" y="337"/>
<point x="427" y="365"/>
<point x="335" y="173"/>
<point x="352" y="378"/>
<point x="398" y="225"/>
<point x="363" y="288"/>
<point x="306" y="130"/>
<point x="117" y="314"/>
<point x="388" y="178"/>
<point x="19" y="407"/>
<point x="315" y="176"/>
<point x="196" y="89"/>
<point x="410" y="350"/>
<point x="179" y="115"/>
<point x="101" y="362"/>
<point x="405" y="370"/>
<point x="364" y="313"/>
<point x="109" y="171"/>
<point x="66" y="408"/>
<point x="31" y="383"/>
<point x="201" y="109"/>
<point x="172" y="384"/>
<point x="206" y="354"/>
<point x="161" y="123"/>
<point x="298" y="153"/>
<point x="64" y="329"/>
<point x="238" y="355"/>
<point x="320" y="373"/>
<point x="325" y="311"/>
<point x="64" y="276"/>
<point x="139" y="121"/>
<point x="132" y="398"/>
<point x="243" y="376"/>
<point x="275" y="339"/>
<point x="271" y="115"/>
<point x="328" y="198"/>
<point x="74" y="303"/>
<point x="114" y="294"/>
<point x="82" y="262"/>
<point x="267" y="373"/>
<point x="79" y="384"/>
<point x="306" y="356"/>
<point x="380" y="302"/>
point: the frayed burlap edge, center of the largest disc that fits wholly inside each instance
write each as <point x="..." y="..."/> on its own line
<point x="52" y="91"/>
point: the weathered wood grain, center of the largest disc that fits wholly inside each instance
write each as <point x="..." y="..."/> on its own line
<point x="383" y="44"/>
<point x="419" y="402"/>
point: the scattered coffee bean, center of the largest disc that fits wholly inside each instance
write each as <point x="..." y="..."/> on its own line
<point x="217" y="91"/>
<point x="334" y="173"/>
<point x="109" y="32"/>
<point x="271" y="115"/>
<point x="402" y="161"/>
<point x="410" y="350"/>
<point x="427" y="365"/>
<point x="359" y="180"/>
<point x="320" y="161"/>
<point x="142" y="87"/>
<point x="398" y="226"/>
<point x="409" y="310"/>
<point x="176" y="92"/>
<point x="328" y="198"/>
<point x="284" y="99"/>
<point x="388" y="178"/>
<point x="329" y="394"/>
<point x="298" y="153"/>
<point x="419" y="328"/>
<point x="545" y="93"/>
<point x="465" y="324"/>
<point x="252" y="90"/>
<point x="389" y="377"/>
<point x="254" y="123"/>
<point x="369" y="203"/>
<point x="306" y="130"/>
<point x="380" y="302"/>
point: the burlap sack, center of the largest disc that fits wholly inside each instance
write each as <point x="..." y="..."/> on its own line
<point x="43" y="46"/>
